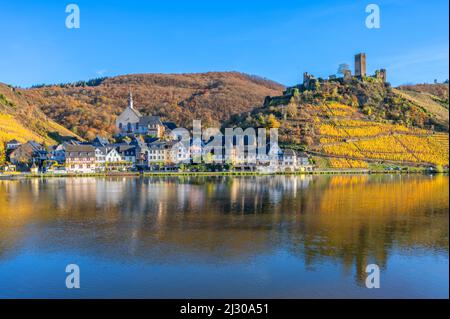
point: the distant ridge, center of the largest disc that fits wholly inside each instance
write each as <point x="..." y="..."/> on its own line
<point x="90" y="108"/>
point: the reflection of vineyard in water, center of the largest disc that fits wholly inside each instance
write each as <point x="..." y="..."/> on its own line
<point x="351" y="219"/>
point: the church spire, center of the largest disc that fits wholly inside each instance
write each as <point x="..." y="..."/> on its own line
<point x="130" y="100"/>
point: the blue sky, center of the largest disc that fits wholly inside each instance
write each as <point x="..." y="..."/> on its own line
<point x="275" y="39"/>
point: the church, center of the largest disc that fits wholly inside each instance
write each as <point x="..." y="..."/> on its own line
<point x="131" y="122"/>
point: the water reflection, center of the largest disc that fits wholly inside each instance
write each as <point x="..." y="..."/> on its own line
<point x="350" y="220"/>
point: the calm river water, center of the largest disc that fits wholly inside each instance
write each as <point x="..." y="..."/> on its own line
<point x="200" y="237"/>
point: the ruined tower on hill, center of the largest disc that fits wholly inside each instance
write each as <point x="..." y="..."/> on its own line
<point x="360" y="64"/>
<point x="381" y="75"/>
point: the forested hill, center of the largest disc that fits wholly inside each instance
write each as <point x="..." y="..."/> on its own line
<point x="90" y="108"/>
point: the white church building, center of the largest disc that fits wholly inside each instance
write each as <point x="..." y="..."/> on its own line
<point x="132" y="122"/>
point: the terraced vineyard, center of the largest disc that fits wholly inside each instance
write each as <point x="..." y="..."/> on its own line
<point x="10" y="129"/>
<point x="346" y="163"/>
<point x="345" y="136"/>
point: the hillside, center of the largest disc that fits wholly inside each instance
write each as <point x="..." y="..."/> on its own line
<point x="435" y="103"/>
<point x="90" y="108"/>
<point x="357" y="124"/>
<point x="439" y="90"/>
<point x="23" y="121"/>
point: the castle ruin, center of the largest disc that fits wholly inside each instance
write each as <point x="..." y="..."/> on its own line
<point x="309" y="81"/>
<point x="360" y="65"/>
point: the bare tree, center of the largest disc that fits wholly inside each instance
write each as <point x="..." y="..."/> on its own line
<point x="342" y="68"/>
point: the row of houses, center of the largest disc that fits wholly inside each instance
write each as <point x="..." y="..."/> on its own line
<point x="137" y="153"/>
<point x="147" y="143"/>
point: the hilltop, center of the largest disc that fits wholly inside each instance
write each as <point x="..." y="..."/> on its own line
<point x="90" y="108"/>
<point x="358" y="122"/>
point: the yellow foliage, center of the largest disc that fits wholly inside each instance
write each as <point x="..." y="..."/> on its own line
<point x="343" y="149"/>
<point x="331" y="130"/>
<point x="346" y="163"/>
<point x="12" y="129"/>
<point x="355" y="138"/>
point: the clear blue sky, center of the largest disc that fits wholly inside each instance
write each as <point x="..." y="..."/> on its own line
<point x="275" y="39"/>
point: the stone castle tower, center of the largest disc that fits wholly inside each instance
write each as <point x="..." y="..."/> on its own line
<point x="381" y="75"/>
<point x="360" y="64"/>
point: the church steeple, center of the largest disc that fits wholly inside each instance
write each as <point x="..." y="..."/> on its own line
<point x="130" y="100"/>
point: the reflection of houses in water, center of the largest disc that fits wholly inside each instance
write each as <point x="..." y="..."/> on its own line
<point x="175" y="196"/>
<point x="111" y="191"/>
<point x="264" y="193"/>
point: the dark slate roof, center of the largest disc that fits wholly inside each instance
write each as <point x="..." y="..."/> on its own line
<point x="104" y="149"/>
<point x="158" y="144"/>
<point x="28" y="149"/>
<point x="87" y="151"/>
<point x="35" y="146"/>
<point x="99" y="140"/>
<point x="223" y="140"/>
<point x="137" y="141"/>
<point x="123" y="148"/>
<point x="14" y="141"/>
<point x="150" y="139"/>
<point x="289" y="152"/>
<point x="80" y="148"/>
<point x="150" y="120"/>
<point x="172" y="143"/>
<point x="71" y="142"/>
<point x="116" y="145"/>
<point x="170" y="125"/>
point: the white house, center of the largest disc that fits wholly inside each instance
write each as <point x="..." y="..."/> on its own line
<point x="107" y="158"/>
<point x="113" y="156"/>
<point x="178" y="152"/>
<point x="100" y="157"/>
<point x="128" y="153"/>
<point x="289" y="158"/>
<point x="80" y="159"/>
<point x="157" y="153"/>
<point x="289" y="161"/>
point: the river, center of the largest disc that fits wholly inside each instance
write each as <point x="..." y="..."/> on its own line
<point x="225" y="237"/>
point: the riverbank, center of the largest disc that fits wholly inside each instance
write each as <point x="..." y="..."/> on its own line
<point x="15" y="176"/>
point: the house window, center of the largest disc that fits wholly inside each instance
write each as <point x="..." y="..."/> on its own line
<point x="129" y="126"/>
<point x="120" y="125"/>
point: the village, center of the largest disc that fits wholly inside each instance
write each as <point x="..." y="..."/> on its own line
<point x="145" y="143"/>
